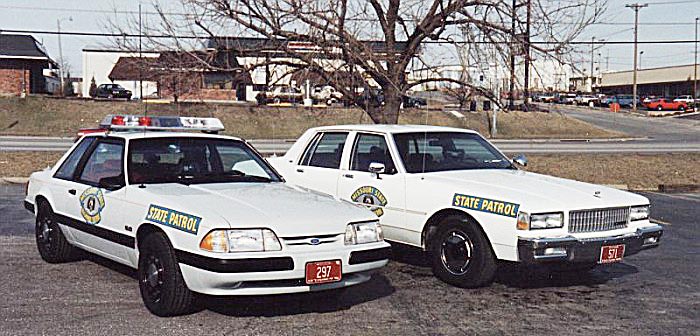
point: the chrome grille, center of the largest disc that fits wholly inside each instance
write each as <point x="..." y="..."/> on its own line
<point x="596" y="220"/>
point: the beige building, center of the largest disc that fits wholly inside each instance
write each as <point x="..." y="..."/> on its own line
<point x="667" y="81"/>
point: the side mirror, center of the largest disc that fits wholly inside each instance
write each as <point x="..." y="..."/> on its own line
<point x="377" y="168"/>
<point x="520" y="159"/>
<point x="112" y="183"/>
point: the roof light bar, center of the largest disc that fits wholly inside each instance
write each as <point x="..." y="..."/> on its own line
<point x="161" y="123"/>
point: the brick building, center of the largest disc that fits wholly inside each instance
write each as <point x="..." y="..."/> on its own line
<point x="22" y="64"/>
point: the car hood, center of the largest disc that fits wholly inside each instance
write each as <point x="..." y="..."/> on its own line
<point x="289" y="211"/>
<point x="535" y="192"/>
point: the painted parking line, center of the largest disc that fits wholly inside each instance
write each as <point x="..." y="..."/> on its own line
<point x="658" y="221"/>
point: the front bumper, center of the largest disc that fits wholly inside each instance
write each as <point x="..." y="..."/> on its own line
<point x="277" y="275"/>
<point x="575" y="250"/>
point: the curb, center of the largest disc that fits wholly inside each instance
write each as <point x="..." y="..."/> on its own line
<point x="679" y="188"/>
<point x="14" y="180"/>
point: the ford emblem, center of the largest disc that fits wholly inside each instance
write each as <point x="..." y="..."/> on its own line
<point x="315" y="241"/>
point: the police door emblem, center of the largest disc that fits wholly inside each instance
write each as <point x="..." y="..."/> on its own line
<point x="372" y="197"/>
<point x="91" y="204"/>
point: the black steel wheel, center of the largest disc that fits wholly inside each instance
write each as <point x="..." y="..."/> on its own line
<point x="162" y="287"/>
<point x="461" y="255"/>
<point x="52" y="245"/>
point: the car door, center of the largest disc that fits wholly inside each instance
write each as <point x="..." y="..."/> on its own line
<point x="319" y="165"/>
<point x="96" y="213"/>
<point x="382" y="193"/>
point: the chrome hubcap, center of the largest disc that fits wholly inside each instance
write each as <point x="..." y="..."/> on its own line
<point x="456" y="252"/>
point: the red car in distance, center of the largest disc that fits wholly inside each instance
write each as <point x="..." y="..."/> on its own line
<point x="661" y="104"/>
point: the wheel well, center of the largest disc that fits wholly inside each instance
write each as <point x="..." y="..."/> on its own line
<point x="432" y="224"/>
<point x="38" y="200"/>
<point x="145" y="230"/>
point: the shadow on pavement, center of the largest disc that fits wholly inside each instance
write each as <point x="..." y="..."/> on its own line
<point x="301" y="303"/>
<point x="515" y="275"/>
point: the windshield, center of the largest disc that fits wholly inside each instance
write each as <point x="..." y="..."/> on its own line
<point x="442" y="151"/>
<point x="195" y="160"/>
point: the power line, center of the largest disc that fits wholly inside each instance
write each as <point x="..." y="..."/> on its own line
<point x="203" y="37"/>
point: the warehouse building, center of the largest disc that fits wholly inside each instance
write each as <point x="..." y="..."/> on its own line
<point x="670" y="81"/>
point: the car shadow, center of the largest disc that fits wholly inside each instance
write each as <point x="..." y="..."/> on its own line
<point x="271" y="305"/>
<point x="300" y="303"/>
<point x="515" y="275"/>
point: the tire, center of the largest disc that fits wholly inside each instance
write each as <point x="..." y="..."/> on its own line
<point x="162" y="287"/>
<point x="461" y="255"/>
<point x="50" y="241"/>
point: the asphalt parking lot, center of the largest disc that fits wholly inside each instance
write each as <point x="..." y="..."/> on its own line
<point x="655" y="292"/>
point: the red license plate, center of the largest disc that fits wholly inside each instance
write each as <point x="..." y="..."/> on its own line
<point x="611" y="253"/>
<point x="319" y="272"/>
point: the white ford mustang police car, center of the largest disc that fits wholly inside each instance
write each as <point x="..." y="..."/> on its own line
<point x="454" y="194"/>
<point x="198" y="213"/>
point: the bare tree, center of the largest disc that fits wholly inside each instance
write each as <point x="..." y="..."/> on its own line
<point x="357" y="46"/>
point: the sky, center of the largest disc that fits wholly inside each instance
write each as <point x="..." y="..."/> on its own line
<point x="662" y="20"/>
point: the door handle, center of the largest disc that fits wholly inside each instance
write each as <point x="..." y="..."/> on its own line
<point x="348" y="175"/>
<point x="71" y="191"/>
<point x="299" y="170"/>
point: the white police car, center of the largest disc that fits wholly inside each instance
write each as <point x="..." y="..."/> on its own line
<point x="453" y="193"/>
<point x="197" y="213"/>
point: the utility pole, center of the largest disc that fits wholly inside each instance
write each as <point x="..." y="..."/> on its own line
<point x="636" y="7"/>
<point x="526" y="90"/>
<point x="60" y="56"/>
<point x="141" y="63"/>
<point x="695" y="66"/>
<point x="511" y="93"/>
<point x="592" y="60"/>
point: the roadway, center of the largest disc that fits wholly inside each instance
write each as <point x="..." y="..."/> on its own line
<point x="278" y="147"/>
<point x="652" y="293"/>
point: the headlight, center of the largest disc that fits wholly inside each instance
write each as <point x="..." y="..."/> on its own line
<point x="639" y="213"/>
<point x="362" y="233"/>
<point x="244" y="240"/>
<point x="540" y="221"/>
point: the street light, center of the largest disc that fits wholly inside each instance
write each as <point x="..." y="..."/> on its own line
<point x="60" y="51"/>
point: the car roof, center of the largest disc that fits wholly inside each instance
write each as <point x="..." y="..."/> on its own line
<point x="391" y="129"/>
<point x="129" y="135"/>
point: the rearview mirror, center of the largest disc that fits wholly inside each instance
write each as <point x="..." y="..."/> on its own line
<point x="377" y="168"/>
<point x="520" y="159"/>
<point x="111" y="183"/>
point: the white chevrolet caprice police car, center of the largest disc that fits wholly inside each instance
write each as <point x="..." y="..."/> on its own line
<point x="454" y="194"/>
<point x="199" y="213"/>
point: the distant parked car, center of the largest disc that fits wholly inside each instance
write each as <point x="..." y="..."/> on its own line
<point x="567" y="98"/>
<point x="111" y="91"/>
<point x="586" y="100"/>
<point x="326" y="94"/>
<point x="625" y="100"/>
<point x="280" y="94"/>
<point x="546" y="98"/>
<point x="409" y="101"/>
<point x="666" y="104"/>
<point x="688" y="99"/>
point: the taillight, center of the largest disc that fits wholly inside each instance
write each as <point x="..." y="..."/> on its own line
<point x="118" y="120"/>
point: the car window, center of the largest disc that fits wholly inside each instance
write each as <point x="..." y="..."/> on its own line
<point x="326" y="151"/>
<point x="67" y="169"/>
<point x="371" y="148"/>
<point x="195" y="160"/>
<point x="444" y="151"/>
<point x="105" y="161"/>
